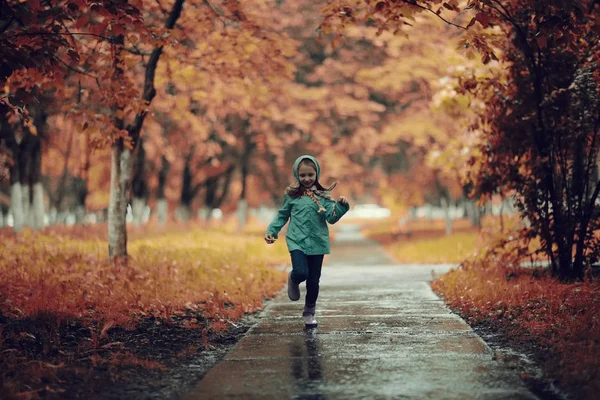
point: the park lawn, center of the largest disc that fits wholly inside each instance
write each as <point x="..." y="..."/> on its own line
<point x="559" y="323"/>
<point x="62" y="303"/>
<point x="427" y="242"/>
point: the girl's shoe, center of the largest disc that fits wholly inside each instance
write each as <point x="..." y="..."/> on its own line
<point x="309" y="320"/>
<point x="293" y="289"/>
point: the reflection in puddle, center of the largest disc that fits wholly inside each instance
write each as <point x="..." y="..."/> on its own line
<point x="307" y="370"/>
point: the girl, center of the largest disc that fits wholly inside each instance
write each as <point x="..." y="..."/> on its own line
<point x="309" y="207"/>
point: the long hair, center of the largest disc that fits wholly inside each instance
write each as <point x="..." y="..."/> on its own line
<point x="296" y="190"/>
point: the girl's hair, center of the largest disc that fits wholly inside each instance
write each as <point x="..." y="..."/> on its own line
<point x="296" y="190"/>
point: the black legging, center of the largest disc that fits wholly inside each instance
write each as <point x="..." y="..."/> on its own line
<point x="307" y="268"/>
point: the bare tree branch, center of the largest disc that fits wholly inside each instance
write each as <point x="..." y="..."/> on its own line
<point x="414" y="3"/>
<point x="149" y="89"/>
<point x="74" y="69"/>
<point x="44" y="33"/>
<point x="207" y="3"/>
<point x="135" y="50"/>
<point x="7" y="24"/>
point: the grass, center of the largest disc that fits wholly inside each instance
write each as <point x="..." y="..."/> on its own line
<point x="72" y="277"/>
<point x="427" y="242"/>
<point x="61" y="279"/>
<point x="205" y="279"/>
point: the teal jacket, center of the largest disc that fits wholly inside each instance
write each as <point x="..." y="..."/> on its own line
<point x="308" y="230"/>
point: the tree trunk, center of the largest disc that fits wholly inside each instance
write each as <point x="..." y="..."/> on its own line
<point x="139" y="185"/>
<point x="590" y="211"/>
<point x="16" y="196"/>
<point x="39" y="211"/>
<point x="26" y="207"/>
<point x="25" y="154"/>
<point x="211" y="186"/>
<point x="225" y="187"/>
<point x="120" y="176"/>
<point x="16" y="207"/>
<point x="446" y="207"/>
<point x="162" y="211"/>
<point x="242" y="207"/>
<point x="184" y="212"/>
<point x="80" y="214"/>
<point x="216" y="188"/>
<point x="187" y="189"/>
<point x="565" y="262"/>
<point x="36" y="209"/>
<point x="444" y="196"/>
<point x="205" y="213"/>
<point x="52" y="216"/>
<point x="275" y="184"/>
<point x="162" y="208"/>
<point x="509" y="207"/>
<point x="80" y="186"/>
<point x="62" y="182"/>
<point x="473" y="212"/>
<point x="138" y="206"/>
<point x="244" y="168"/>
<point x="121" y="156"/>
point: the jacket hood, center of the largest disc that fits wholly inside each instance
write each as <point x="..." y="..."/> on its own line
<point x="297" y="164"/>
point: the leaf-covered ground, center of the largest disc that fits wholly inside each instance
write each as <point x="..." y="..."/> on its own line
<point x="72" y="324"/>
<point x="425" y="241"/>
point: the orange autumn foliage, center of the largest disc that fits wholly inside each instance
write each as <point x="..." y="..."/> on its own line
<point x="219" y="275"/>
<point x="58" y="290"/>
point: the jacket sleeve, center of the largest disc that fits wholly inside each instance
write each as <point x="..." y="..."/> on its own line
<point x="282" y="217"/>
<point x="335" y="211"/>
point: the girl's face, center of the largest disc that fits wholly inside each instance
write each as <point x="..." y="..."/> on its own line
<point x="307" y="175"/>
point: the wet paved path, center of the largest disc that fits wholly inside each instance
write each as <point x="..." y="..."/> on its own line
<point x="383" y="334"/>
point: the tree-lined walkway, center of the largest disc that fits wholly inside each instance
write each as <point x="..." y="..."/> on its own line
<point x="383" y="334"/>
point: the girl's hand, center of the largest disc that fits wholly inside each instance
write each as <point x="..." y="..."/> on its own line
<point x="342" y="200"/>
<point x="269" y="239"/>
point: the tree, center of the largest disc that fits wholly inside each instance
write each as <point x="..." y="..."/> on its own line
<point x="123" y="143"/>
<point x="547" y="100"/>
<point x="224" y="78"/>
<point x="542" y="136"/>
<point x="407" y="79"/>
<point x="38" y="43"/>
<point x="127" y="101"/>
<point x="39" y="47"/>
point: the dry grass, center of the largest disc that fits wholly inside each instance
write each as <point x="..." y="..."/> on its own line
<point x="61" y="299"/>
<point x="224" y="274"/>
<point x="427" y="242"/>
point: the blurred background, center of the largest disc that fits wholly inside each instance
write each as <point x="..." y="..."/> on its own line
<point x="379" y="111"/>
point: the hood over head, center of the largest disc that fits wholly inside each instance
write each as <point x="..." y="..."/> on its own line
<point x="297" y="164"/>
